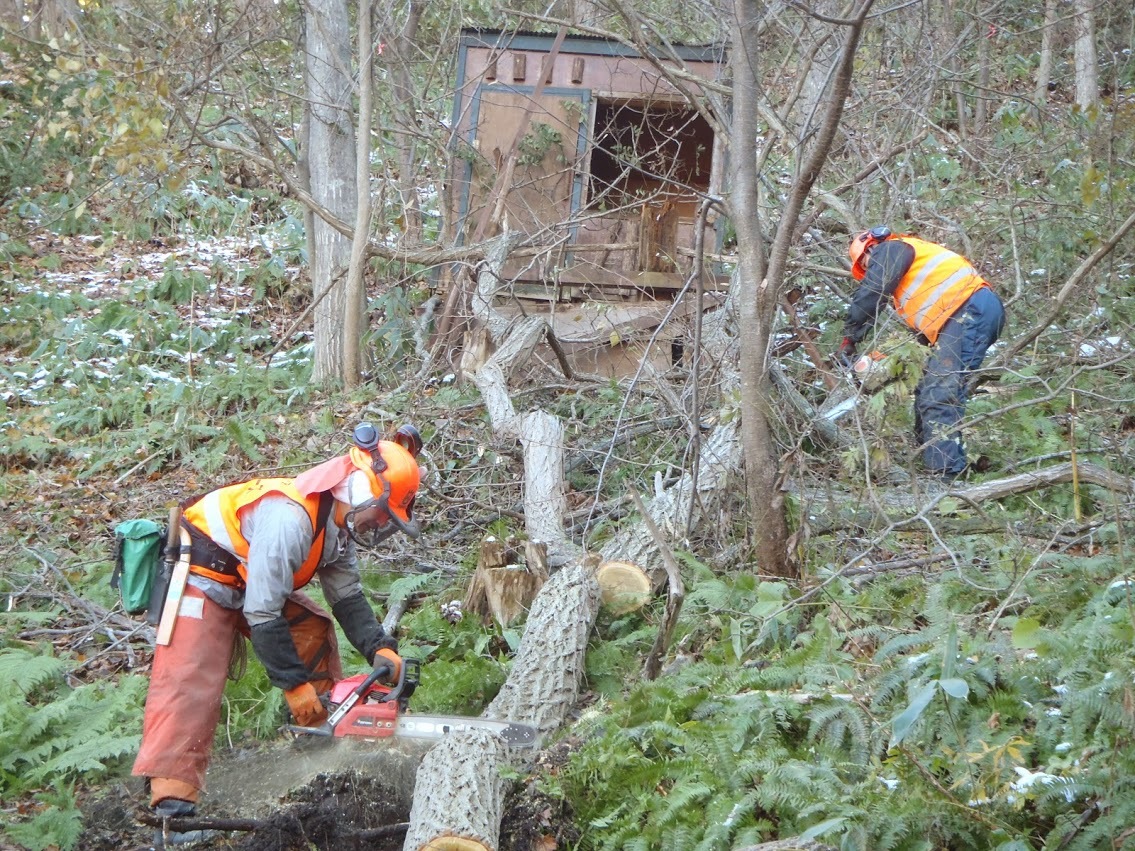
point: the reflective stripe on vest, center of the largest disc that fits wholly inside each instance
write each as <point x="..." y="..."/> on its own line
<point x="217" y="516"/>
<point x="938" y="283"/>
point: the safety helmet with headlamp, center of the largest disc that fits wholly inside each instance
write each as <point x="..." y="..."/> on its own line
<point x="861" y="245"/>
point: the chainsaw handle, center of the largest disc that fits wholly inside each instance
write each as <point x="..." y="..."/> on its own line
<point x="380" y="671"/>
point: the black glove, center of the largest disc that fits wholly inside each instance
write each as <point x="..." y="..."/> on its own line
<point x="272" y="642"/>
<point x="361" y="626"/>
<point x="845" y="354"/>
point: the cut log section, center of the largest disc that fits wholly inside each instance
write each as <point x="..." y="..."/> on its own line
<point x="623" y="587"/>
<point x="459" y="794"/>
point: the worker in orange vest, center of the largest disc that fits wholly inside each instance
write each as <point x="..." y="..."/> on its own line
<point x="941" y="297"/>
<point x="253" y="546"/>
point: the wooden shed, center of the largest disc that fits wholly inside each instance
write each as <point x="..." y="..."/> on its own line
<point x="611" y="166"/>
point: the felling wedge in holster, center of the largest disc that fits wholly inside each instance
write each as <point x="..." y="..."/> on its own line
<point x="174" y="574"/>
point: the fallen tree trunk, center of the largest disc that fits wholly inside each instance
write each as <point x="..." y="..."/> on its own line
<point x="1087" y="473"/>
<point x="459" y="793"/>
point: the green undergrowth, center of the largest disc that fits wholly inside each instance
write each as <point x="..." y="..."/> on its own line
<point x="127" y="383"/>
<point x="54" y="734"/>
<point x="946" y="722"/>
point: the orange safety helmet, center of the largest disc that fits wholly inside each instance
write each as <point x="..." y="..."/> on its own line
<point x="861" y="246"/>
<point x="394" y="476"/>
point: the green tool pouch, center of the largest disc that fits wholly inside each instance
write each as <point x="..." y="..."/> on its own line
<point x="137" y="557"/>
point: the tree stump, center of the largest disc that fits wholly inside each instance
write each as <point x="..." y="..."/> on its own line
<point x="504" y="584"/>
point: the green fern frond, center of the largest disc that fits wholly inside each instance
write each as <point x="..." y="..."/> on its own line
<point x="680" y="799"/>
<point x="90" y="757"/>
<point x="26" y="671"/>
<point x="902" y="644"/>
<point x="842" y="726"/>
<point x="414" y="583"/>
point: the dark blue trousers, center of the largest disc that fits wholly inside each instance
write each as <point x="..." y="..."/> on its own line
<point x="940" y="398"/>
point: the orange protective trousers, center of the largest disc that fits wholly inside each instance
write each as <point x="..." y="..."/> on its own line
<point x="183" y="705"/>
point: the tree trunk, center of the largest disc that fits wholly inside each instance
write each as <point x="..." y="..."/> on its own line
<point x="356" y="272"/>
<point x="459" y="791"/>
<point x="458" y="796"/>
<point x="985" y="35"/>
<point x="1044" y="65"/>
<point x="952" y="41"/>
<point x="1084" y="53"/>
<point x="493" y="352"/>
<point x="331" y="163"/>
<point x="766" y="504"/>
<point x="761" y="283"/>
<point x="818" y="78"/>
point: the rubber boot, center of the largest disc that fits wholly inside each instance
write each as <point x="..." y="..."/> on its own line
<point x="174" y="808"/>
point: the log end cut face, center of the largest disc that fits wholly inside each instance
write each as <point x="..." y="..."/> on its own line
<point x="454" y="843"/>
<point x="623" y="587"/>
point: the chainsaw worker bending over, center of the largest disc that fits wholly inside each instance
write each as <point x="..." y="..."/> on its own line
<point x="952" y="308"/>
<point x="252" y="547"/>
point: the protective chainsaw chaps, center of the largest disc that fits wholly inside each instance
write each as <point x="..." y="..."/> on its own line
<point x="137" y="557"/>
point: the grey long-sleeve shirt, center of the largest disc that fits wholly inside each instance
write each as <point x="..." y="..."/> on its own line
<point x="280" y="535"/>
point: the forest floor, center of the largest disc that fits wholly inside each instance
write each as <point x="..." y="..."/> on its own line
<point x="285" y="794"/>
<point x="337" y="809"/>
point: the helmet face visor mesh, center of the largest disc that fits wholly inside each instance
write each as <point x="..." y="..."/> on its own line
<point x="370" y="524"/>
<point x="371" y="520"/>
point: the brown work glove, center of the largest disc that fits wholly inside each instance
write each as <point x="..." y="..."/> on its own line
<point x="386" y="656"/>
<point x="305" y="706"/>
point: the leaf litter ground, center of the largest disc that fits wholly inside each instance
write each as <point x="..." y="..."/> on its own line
<point x="357" y="797"/>
<point x="301" y="797"/>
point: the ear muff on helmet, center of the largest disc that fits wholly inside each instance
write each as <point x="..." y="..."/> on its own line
<point x="409" y="438"/>
<point x="861" y="245"/>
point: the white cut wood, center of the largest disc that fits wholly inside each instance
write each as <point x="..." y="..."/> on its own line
<point x="623" y="587"/>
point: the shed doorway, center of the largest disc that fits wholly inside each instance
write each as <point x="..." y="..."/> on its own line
<point x="650" y="162"/>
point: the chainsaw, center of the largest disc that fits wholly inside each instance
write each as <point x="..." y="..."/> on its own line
<point x="362" y="707"/>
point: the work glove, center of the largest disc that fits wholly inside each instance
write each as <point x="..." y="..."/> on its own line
<point x="305" y="705"/>
<point x="845" y="354"/>
<point x="386" y="656"/>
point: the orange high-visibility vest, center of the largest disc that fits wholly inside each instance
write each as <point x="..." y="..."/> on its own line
<point x="216" y="515"/>
<point x="936" y="285"/>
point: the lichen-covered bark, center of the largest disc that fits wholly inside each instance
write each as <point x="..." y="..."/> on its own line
<point x="459" y="791"/>
<point x="543" y="684"/>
